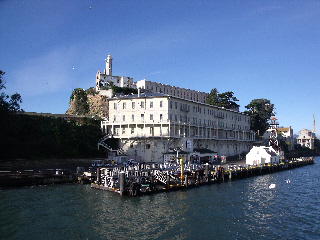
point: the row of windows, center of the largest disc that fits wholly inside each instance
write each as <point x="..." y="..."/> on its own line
<point x="182" y="94"/>
<point x="209" y="122"/>
<point x="194" y="132"/>
<point x="133" y="105"/>
<point x="185" y="119"/>
<point x="132" y="130"/>
<point x="133" y="117"/>
<point x="210" y="112"/>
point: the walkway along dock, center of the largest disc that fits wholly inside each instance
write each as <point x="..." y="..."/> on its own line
<point x="150" y="178"/>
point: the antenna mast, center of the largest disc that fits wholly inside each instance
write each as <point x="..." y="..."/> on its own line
<point x="314" y="125"/>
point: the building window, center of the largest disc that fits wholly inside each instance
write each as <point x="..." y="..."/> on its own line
<point x="151" y="116"/>
<point x="123" y="130"/>
<point x="133" y="105"/>
<point x="124" y="105"/>
<point x="142" y="117"/>
<point x="142" y="104"/>
<point x="132" y="130"/>
<point x="132" y="117"/>
<point x="151" y="130"/>
<point x="115" y="118"/>
<point x="114" y="105"/>
<point x="171" y="104"/>
<point x="161" y="103"/>
<point x="151" y="104"/>
<point x="176" y="105"/>
<point x="123" y="117"/>
<point x="160" y="117"/>
<point x="147" y="146"/>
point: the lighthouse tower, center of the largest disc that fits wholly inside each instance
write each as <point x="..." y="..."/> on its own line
<point x="108" y="71"/>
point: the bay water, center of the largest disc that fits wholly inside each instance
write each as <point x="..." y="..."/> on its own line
<point x="282" y="205"/>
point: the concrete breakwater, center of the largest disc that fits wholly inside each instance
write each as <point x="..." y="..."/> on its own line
<point x="150" y="178"/>
<point x="25" y="178"/>
<point x="23" y="172"/>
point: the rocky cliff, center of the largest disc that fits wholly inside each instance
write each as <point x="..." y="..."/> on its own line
<point x="89" y="103"/>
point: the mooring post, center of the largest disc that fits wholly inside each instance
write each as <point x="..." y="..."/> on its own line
<point x="122" y="183"/>
<point x="152" y="183"/>
<point x="206" y="174"/>
<point x="222" y="173"/>
<point x="186" y="180"/>
<point x="98" y="176"/>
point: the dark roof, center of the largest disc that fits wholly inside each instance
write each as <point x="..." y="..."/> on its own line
<point x="203" y="150"/>
<point x="272" y="153"/>
<point x="180" y="152"/>
<point x="143" y="95"/>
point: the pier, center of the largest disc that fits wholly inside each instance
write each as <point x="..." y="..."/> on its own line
<point x="150" y="178"/>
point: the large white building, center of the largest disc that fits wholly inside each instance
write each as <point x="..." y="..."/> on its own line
<point x="150" y="125"/>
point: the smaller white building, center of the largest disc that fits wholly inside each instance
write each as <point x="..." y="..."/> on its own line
<point x="104" y="80"/>
<point x="306" y="138"/>
<point x="262" y="155"/>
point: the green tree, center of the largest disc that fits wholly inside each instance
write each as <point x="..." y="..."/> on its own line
<point x="260" y="111"/>
<point x="226" y="99"/>
<point x="212" y="97"/>
<point x="91" y="91"/>
<point x="80" y="98"/>
<point x="8" y="104"/>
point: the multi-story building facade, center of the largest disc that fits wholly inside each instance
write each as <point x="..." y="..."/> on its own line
<point x="306" y="138"/>
<point x="149" y="125"/>
<point x="184" y="93"/>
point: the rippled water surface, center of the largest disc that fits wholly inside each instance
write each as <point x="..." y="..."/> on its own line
<point x="243" y="209"/>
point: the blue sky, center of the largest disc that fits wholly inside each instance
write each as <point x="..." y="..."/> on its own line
<point x="257" y="49"/>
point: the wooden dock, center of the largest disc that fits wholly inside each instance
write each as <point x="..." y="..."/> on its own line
<point x="151" y="178"/>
